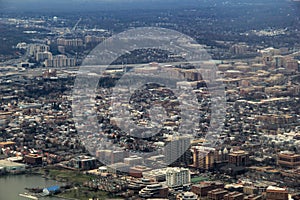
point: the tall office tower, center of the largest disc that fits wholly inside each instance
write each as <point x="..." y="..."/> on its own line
<point x="176" y="148"/>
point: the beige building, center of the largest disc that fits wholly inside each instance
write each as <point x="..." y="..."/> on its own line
<point x="36" y="48"/>
<point x="288" y="159"/>
<point x="203" y="157"/>
<point x="69" y="42"/>
<point x="42" y="56"/>
<point x="60" y="61"/>
<point x="276" y="193"/>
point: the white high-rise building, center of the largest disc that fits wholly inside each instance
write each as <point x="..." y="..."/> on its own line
<point x="176" y="177"/>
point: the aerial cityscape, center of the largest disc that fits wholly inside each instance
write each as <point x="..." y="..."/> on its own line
<point x="149" y="99"/>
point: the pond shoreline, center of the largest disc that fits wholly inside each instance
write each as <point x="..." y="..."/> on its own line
<point x="13" y="185"/>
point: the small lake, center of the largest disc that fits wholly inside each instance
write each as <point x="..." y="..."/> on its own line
<point x="12" y="185"/>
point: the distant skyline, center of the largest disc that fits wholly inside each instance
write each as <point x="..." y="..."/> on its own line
<point x="77" y="5"/>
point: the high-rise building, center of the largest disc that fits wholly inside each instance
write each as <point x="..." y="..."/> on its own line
<point x="176" y="177"/>
<point x="42" y="56"/>
<point x="203" y="157"/>
<point x="36" y="48"/>
<point x="93" y="39"/>
<point x="176" y="148"/>
<point x="69" y="42"/>
<point x="60" y="61"/>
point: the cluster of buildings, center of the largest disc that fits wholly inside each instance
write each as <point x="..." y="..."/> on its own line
<point x="176" y="183"/>
<point x="261" y="125"/>
<point x="41" y="53"/>
<point x="258" y="156"/>
<point x="78" y="42"/>
<point x="35" y="124"/>
<point x="260" y="135"/>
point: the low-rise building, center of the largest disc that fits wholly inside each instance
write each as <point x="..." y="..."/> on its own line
<point x="33" y="159"/>
<point x="288" y="159"/>
<point x="250" y="190"/>
<point x="239" y="158"/>
<point x="234" y="196"/>
<point x="137" y="171"/>
<point x="7" y="144"/>
<point x="217" y="194"/>
<point x="133" y="160"/>
<point x="84" y="163"/>
<point x="276" y="193"/>
<point x="187" y="196"/>
<point x="51" y="190"/>
<point x="253" y="197"/>
<point x="11" y="167"/>
<point x="154" y="190"/>
<point x="118" y="168"/>
<point x="156" y="174"/>
<point x="203" y="188"/>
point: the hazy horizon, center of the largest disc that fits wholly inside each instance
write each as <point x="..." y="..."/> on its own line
<point x="78" y="5"/>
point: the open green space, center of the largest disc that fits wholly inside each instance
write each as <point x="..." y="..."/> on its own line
<point x="74" y="177"/>
<point x="199" y="179"/>
<point x="83" y="194"/>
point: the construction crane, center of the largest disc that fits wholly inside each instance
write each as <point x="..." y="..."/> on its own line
<point x="75" y="26"/>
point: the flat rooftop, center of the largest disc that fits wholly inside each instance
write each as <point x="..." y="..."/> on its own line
<point x="6" y="163"/>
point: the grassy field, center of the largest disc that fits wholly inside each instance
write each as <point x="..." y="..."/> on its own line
<point x="70" y="176"/>
<point x="199" y="179"/>
<point x="77" y="178"/>
<point x="83" y="194"/>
